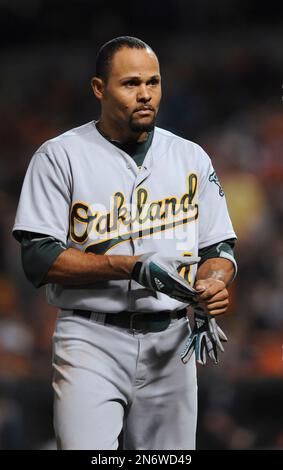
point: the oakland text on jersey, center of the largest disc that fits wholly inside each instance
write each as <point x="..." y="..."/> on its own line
<point x="125" y="220"/>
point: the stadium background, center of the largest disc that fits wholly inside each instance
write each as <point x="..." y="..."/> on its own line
<point x="221" y="65"/>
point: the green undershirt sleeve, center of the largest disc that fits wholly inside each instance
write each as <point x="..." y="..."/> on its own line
<point x="211" y="251"/>
<point x="39" y="252"/>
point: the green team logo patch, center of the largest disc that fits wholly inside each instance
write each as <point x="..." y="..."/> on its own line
<point x="213" y="178"/>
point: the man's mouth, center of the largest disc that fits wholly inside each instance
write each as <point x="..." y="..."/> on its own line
<point x="144" y="110"/>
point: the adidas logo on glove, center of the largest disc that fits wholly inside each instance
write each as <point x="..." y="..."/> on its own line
<point x="158" y="283"/>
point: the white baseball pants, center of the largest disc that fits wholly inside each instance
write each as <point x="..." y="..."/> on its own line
<point x="107" y="378"/>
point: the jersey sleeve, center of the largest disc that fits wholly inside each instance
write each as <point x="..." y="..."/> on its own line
<point x="45" y="197"/>
<point x="214" y="221"/>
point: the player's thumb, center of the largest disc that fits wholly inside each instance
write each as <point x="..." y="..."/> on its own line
<point x="200" y="286"/>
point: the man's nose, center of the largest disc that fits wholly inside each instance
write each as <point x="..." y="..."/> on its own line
<point x="143" y="93"/>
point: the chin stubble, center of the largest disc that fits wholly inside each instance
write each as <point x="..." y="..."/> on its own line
<point x="139" y="127"/>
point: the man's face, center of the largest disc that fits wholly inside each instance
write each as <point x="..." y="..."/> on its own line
<point x="131" y="96"/>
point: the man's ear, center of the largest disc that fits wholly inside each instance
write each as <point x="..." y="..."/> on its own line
<point x="97" y="86"/>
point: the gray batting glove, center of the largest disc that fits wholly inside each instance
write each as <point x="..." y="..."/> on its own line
<point x="205" y="339"/>
<point x="160" y="273"/>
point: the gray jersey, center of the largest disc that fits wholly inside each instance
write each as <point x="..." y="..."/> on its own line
<point x="90" y="195"/>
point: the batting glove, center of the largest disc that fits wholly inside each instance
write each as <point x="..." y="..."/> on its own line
<point x="205" y="339"/>
<point x="160" y="273"/>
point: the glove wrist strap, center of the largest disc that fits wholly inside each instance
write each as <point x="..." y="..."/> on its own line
<point x="136" y="271"/>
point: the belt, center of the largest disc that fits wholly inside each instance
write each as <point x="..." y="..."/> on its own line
<point x="134" y="320"/>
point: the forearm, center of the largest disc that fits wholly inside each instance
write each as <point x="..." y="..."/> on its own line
<point x="73" y="267"/>
<point x="216" y="268"/>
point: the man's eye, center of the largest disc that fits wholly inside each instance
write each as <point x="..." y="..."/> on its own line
<point x="131" y="83"/>
<point x="154" y="81"/>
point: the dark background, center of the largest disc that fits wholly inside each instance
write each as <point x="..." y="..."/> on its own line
<point x="221" y="65"/>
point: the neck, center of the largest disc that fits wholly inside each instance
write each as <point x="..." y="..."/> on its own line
<point x="120" y="135"/>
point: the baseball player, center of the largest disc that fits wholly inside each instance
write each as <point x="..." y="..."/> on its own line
<point x="126" y="224"/>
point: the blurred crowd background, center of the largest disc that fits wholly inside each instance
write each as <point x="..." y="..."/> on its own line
<point x="221" y="65"/>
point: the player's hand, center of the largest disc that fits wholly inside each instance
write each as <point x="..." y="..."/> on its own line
<point x="212" y="295"/>
<point x="160" y="273"/>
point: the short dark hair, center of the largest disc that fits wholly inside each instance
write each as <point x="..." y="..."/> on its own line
<point x="107" y="51"/>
